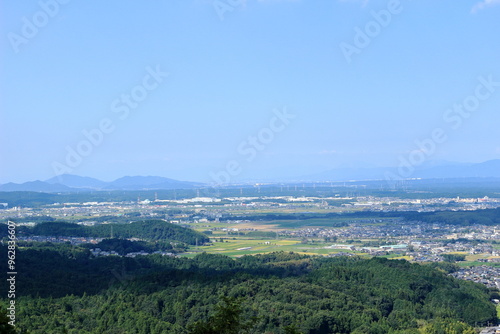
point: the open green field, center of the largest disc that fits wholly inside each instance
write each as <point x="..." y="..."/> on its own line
<point x="477" y="263"/>
<point x="267" y="225"/>
<point x="236" y="245"/>
<point x="241" y="246"/>
<point x="474" y="257"/>
<point x="324" y="222"/>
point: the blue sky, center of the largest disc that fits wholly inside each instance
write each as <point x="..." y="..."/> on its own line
<point x="68" y="66"/>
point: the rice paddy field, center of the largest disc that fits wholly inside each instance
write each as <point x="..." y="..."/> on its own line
<point x="239" y="246"/>
<point x="235" y="239"/>
<point x="227" y="241"/>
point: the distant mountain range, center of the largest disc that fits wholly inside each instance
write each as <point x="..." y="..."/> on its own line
<point x="72" y="183"/>
<point x="38" y="186"/>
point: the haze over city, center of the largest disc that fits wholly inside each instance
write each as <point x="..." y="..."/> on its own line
<point x="261" y="89"/>
<point x="250" y="166"/>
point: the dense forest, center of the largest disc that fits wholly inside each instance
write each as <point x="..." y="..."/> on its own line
<point x="148" y="229"/>
<point x="61" y="289"/>
<point x="124" y="246"/>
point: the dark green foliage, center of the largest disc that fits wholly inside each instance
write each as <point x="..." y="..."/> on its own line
<point x="151" y="230"/>
<point x="148" y="230"/>
<point x="447" y="326"/>
<point x="272" y="293"/>
<point x="4" y="230"/>
<point x="226" y="320"/>
<point x="292" y="329"/>
<point x="32" y="219"/>
<point x="60" y="229"/>
<point x="445" y="267"/>
<point x="453" y="257"/>
<point x="123" y="246"/>
<point x="5" y="328"/>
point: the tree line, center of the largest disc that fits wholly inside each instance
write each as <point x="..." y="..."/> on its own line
<point x="147" y="229"/>
<point x="64" y="292"/>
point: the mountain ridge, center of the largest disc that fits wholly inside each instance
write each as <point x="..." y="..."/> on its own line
<point x="72" y="183"/>
<point x="449" y="170"/>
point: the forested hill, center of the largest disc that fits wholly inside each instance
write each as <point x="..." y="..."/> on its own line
<point x="273" y="293"/>
<point x="148" y="230"/>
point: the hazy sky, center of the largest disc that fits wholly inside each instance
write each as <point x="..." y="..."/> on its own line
<point x="269" y="88"/>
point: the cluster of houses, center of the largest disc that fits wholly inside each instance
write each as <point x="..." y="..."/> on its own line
<point x="370" y="229"/>
<point x="487" y="275"/>
<point x="97" y="252"/>
<point x="72" y="240"/>
<point x="490" y="330"/>
<point x="395" y="228"/>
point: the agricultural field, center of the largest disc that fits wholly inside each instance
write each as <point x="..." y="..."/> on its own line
<point x="236" y="247"/>
<point x="229" y="242"/>
<point x="273" y="225"/>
